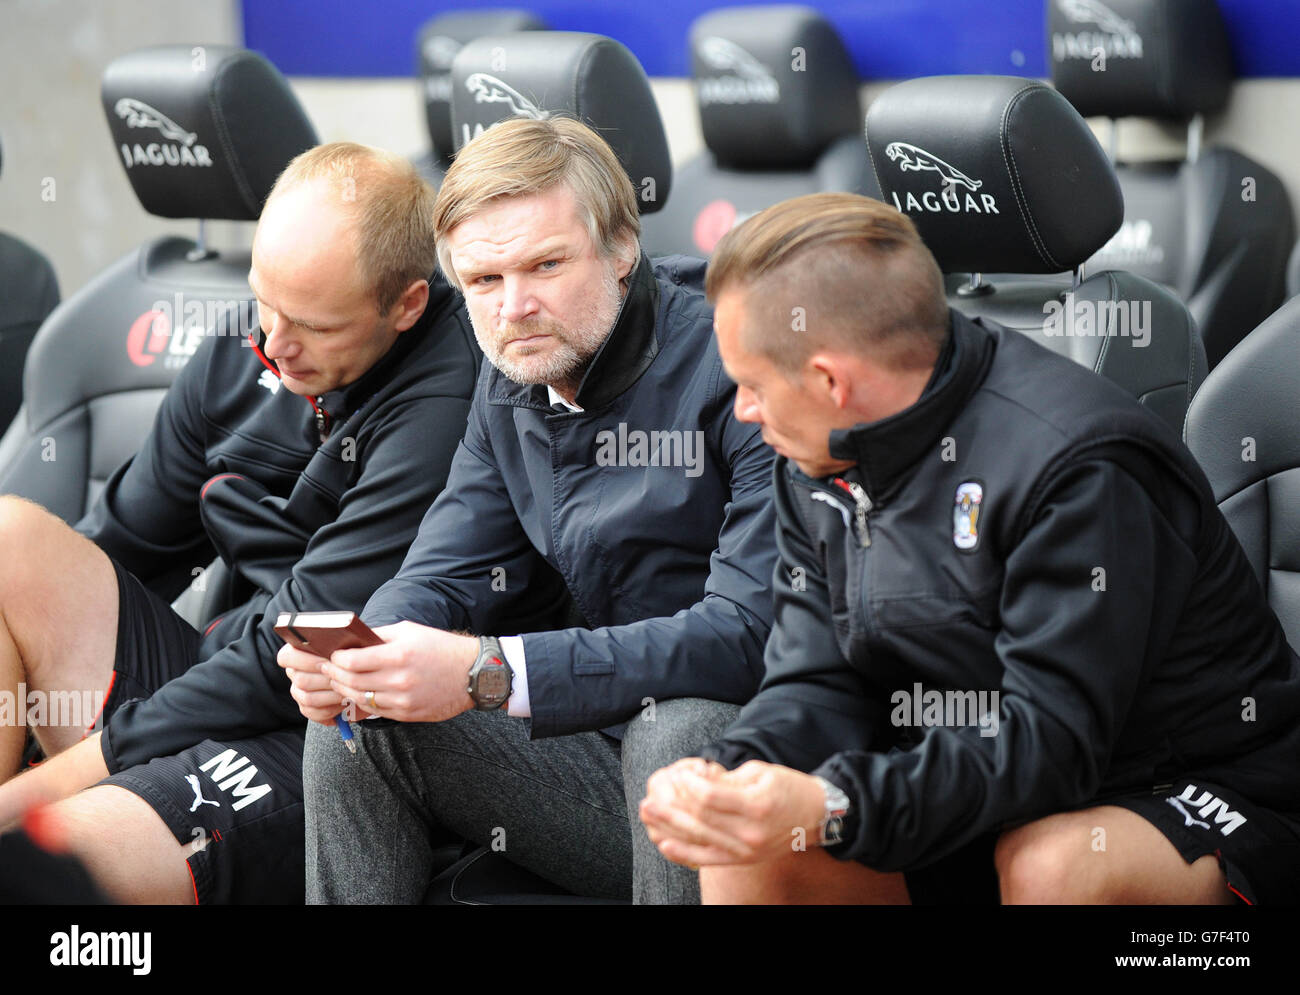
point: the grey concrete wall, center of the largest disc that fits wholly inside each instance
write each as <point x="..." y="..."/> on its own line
<point x="53" y="132"/>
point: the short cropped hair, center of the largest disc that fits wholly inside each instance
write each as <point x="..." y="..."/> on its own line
<point x="522" y="156"/>
<point x="392" y="208"/>
<point x="833" y="269"/>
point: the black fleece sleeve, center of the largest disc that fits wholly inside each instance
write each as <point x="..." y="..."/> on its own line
<point x="1090" y="599"/>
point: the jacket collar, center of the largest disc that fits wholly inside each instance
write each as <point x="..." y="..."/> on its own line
<point x="886" y="449"/>
<point x="442" y="298"/>
<point x="626" y="353"/>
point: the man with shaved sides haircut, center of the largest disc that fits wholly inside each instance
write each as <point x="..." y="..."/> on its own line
<point x="1011" y="621"/>
<point x="304" y="456"/>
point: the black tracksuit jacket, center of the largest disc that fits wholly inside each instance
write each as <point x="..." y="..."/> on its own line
<point x="236" y="464"/>
<point x="1103" y="596"/>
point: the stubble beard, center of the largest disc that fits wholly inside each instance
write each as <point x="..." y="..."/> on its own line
<point x="571" y="349"/>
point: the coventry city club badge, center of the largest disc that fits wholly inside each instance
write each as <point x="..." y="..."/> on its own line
<point x="966" y="516"/>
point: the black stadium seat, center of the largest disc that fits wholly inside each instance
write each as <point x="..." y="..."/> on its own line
<point x="29" y="291"/>
<point x="436" y="45"/>
<point x="778" y="101"/>
<point x="1002" y="175"/>
<point x="1242" y="430"/>
<point x="199" y="138"/>
<point x="1216" y="226"/>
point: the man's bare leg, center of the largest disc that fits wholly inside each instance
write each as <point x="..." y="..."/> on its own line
<point x="125" y="845"/>
<point x="812" y="877"/>
<point x="58" y="623"/>
<point x="1103" y="855"/>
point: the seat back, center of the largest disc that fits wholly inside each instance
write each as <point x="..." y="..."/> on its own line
<point x="1242" y="428"/>
<point x="587" y="76"/>
<point x="1002" y="175"/>
<point x="436" y="45"/>
<point x="1214" y="227"/>
<point x="29" y="291"/>
<point x="777" y="94"/>
<point x="202" y="133"/>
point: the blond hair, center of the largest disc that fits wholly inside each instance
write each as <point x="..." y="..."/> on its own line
<point x="520" y="157"/>
<point x="391" y="205"/>
<point x="836" y="269"/>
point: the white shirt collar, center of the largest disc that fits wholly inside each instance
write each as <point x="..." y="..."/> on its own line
<point x="554" y="398"/>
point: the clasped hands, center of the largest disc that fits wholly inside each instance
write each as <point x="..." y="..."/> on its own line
<point x="699" y="814"/>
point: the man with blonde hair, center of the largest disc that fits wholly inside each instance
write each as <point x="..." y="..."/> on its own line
<point x="1018" y="652"/>
<point x="603" y="472"/>
<point x="305" y="456"/>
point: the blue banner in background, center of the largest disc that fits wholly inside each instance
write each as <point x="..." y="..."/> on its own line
<point x="889" y="39"/>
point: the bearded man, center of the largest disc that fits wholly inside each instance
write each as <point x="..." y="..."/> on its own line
<point x="606" y="533"/>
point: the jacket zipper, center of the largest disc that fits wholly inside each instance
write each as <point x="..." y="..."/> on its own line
<point x="322" y="419"/>
<point x="861" y="505"/>
<point x="322" y="416"/>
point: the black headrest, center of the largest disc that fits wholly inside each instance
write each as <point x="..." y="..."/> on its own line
<point x="775" y="85"/>
<point x="590" y="77"/>
<point x="202" y="130"/>
<point x="1148" y="58"/>
<point x="436" y="45"/>
<point x="1000" y="174"/>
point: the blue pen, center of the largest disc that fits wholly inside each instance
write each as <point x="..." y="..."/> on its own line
<point x="345" y="730"/>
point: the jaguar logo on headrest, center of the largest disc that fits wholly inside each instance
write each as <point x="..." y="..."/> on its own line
<point x="182" y="150"/>
<point x="138" y="114"/>
<point x="490" y="90"/>
<point x="1115" y="37"/>
<point x="914" y="159"/>
<point x="1092" y="12"/>
<point x="748" y="80"/>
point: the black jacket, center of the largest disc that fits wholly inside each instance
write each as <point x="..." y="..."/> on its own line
<point x="236" y="464"/>
<point x="1103" y="596"/>
<point x="651" y="508"/>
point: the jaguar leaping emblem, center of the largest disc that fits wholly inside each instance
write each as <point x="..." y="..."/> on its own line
<point x="490" y="90"/>
<point x="722" y="54"/>
<point x="1092" y="12"/>
<point x="138" y="114"/>
<point x="911" y="157"/>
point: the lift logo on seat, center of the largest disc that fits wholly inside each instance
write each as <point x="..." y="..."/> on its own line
<point x="913" y="158"/>
<point x="1115" y="37"/>
<point x="747" y="80"/>
<point x="150" y="336"/>
<point x="1131" y="246"/>
<point x="715" y="219"/>
<point x="182" y="150"/>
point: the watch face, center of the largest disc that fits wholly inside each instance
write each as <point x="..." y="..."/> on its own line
<point x="493" y="684"/>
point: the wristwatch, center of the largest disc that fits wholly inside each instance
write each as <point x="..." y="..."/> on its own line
<point x="490" y="679"/>
<point x="837" y="807"/>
